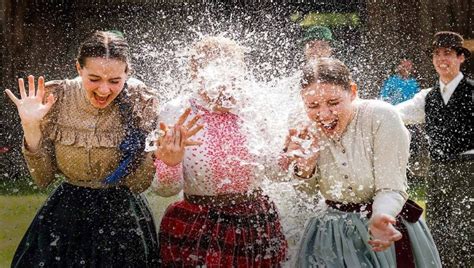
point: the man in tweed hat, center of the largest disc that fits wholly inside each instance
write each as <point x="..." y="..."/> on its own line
<point x="448" y="110"/>
<point x="317" y="42"/>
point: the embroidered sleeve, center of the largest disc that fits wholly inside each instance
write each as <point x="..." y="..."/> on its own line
<point x="168" y="180"/>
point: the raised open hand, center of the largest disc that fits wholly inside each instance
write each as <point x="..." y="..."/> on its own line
<point x="172" y="144"/>
<point x="383" y="233"/>
<point x="31" y="107"/>
<point x="301" y="147"/>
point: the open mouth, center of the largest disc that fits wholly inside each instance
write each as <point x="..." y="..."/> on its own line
<point x="329" y="126"/>
<point x="443" y="66"/>
<point x="101" y="99"/>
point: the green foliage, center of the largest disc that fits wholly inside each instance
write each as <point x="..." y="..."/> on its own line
<point x="331" y="20"/>
<point x="417" y="188"/>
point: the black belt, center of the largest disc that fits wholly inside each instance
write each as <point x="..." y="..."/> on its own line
<point x="223" y="199"/>
<point x="466" y="157"/>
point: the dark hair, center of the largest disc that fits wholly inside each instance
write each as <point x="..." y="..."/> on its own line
<point x="326" y="70"/>
<point x="109" y="45"/>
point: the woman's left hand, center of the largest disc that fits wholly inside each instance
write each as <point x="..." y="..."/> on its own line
<point x="172" y="145"/>
<point x="383" y="233"/>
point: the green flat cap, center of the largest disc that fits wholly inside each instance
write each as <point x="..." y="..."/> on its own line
<point x="317" y="33"/>
<point x="117" y="33"/>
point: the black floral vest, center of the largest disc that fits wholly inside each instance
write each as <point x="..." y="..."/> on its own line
<point x="450" y="127"/>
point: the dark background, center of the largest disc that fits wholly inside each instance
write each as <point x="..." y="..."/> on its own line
<point x="42" y="37"/>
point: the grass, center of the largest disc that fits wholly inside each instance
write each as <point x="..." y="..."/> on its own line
<point x="19" y="205"/>
<point x="16" y="214"/>
<point x="24" y="186"/>
<point x="20" y="200"/>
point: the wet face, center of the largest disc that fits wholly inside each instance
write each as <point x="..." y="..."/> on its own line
<point x="317" y="49"/>
<point x="330" y="106"/>
<point x="223" y="101"/>
<point x="103" y="80"/>
<point x="217" y="82"/>
<point x="447" y="63"/>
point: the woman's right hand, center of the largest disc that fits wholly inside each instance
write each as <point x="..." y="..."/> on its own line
<point x="30" y="107"/>
<point x="382" y="231"/>
<point x="32" y="110"/>
<point x="172" y="144"/>
<point x="301" y="147"/>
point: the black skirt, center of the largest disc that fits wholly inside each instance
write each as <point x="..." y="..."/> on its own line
<point x="84" y="227"/>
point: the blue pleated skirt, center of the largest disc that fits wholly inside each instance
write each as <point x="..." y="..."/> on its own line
<point x="340" y="239"/>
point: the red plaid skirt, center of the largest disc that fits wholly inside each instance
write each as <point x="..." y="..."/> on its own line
<point x="242" y="235"/>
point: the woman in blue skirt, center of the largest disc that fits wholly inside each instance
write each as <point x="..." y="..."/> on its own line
<point x="91" y="129"/>
<point x="356" y="153"/>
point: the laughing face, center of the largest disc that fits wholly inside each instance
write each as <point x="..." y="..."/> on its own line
<point x="330" y="106"/>
<point x="447" y="63"/>
<point x="103" y="80"/>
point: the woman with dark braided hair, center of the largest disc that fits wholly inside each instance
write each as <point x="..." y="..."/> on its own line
<point x="92" y="130"/>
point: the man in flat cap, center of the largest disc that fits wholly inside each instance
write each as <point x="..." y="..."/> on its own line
<point x="448" y="111"/>
<point x="317" y="42"/>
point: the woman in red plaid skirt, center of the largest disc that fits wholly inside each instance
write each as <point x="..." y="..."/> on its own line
<point x="224" y="220"/>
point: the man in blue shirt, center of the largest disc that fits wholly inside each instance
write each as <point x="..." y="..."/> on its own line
<point x="401" y="86"/>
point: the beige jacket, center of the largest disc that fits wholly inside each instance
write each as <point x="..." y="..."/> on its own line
<point x="81" y="142"/>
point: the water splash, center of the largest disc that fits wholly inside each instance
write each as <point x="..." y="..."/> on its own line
<point x="266" y="94"/>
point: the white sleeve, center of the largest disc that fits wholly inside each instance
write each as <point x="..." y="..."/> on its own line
<point x="391" y="153"/>
<point x="391" y="142"/>
<point x="388" y="202"/>
<point x="391" y="149"/>
<point x="412" y="111"/>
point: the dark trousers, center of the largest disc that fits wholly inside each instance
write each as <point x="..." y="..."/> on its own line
<point x="449" y="210"/>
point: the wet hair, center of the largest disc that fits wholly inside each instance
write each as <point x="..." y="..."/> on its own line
<point x="326" y="70"/>
<point x="108" y="45"/>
